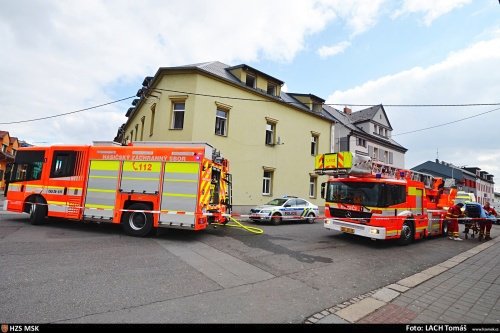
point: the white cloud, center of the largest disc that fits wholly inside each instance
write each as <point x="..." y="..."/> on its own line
<point x="328" y="51"/>
<point x="431" y="9"/>
<point x="465" y="76"/>
<point x="358" y="15"/>
<point x="71" y="54"/>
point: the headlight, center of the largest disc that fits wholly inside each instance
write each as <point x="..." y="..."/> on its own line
<point x="265" y="211"/>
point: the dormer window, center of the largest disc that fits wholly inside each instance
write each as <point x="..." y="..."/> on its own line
<point x="271" y="89"/>
<point x="250" y="81"/>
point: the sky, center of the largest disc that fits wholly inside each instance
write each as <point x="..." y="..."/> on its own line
<point x="64" y="56"/>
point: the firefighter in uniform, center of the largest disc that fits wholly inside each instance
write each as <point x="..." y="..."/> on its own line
<point x="454" y="213"/>
<point x="486" y="223"/>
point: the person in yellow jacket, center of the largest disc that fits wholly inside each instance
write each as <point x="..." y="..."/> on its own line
<point x="454" y="213"/>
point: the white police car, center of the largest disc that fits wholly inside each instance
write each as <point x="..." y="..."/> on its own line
<point x="285" y="208"/>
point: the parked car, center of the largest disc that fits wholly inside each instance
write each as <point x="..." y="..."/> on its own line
<point x="285" y="208"/>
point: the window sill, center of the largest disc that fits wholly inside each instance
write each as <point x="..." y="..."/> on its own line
<point x="176" y="129"/>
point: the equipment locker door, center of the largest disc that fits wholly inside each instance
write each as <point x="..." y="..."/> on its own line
<point x="101" y="189"/>
<point x="180" y="193"/>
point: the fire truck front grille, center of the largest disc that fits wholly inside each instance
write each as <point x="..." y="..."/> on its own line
<point x="344" y="213"/>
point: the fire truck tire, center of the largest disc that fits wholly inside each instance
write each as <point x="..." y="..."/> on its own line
<point x="444" y="229"/>
<point x="276" y="219"/>
<point x="38" y="211"/>
<point x="138" y="224"/>
<point x="407" y="233"/>
<point x="310" y="218"/>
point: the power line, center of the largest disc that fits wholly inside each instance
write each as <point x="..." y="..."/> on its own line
<point x="270" y="101"/>
<point x="337" y="104"/>
<point x="448" y="123"/>
<point x="67" y="113"/>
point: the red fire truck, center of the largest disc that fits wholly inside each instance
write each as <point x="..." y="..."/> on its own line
<point x="141" y="186"/>
<point x="378" y="201"/>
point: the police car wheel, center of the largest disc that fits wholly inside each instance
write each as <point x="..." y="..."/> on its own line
<point x="139" y="223"/>
<point x="276" y="219"/>
<point x="310" y="218"/>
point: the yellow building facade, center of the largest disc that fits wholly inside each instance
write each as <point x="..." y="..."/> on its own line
<point x="269" y="137"/>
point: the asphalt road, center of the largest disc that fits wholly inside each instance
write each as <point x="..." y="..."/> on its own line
<point x="70" y="272"/>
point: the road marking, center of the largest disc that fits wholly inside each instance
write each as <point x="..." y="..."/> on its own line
<point x="221" y="267"/>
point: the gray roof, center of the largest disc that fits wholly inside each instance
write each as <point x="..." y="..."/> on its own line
<point x="368" y="114"/>
<point x="347" y="120"/>
<point x="223" y="71"/>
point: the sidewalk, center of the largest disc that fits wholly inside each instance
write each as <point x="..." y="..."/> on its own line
<point x="464" y="289"/>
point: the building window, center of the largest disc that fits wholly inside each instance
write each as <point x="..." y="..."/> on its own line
<point x="361" y="142"/>
<point x="136" y="131"/>
<point x="375" y="129"/>
<point x="270" y="132"/>
<point x="271" y="89"/>
<point x="267" y="182"/>
<point x="143" y="119"/>
<point x="221" y="122"/>
<point x="314" y="144"/>
<point x="4" y="148"/>
<point x="131" y="135"/>
<point x="178" y="115"/>
<point x="312" y="186"/>
<point x="250" y="81"/>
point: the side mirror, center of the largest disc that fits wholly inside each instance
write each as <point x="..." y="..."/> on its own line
<point x="323" y="190"/>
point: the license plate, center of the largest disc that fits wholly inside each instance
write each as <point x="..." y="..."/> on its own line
<point x="346" y="229"/>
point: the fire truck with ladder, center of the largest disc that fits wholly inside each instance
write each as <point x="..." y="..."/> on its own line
<point x="142" y="186"/>
<point x="375" y="200"/>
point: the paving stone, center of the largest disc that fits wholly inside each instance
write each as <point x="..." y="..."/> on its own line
<point x="398" y="287"/>
<point x="358" y="310"/>
<point x="318" y="316"/>
<point x="332" y="319"/>
<point x="386" y="295"/>
<point x="414" y="280"/>
<point x="436" y="270"/>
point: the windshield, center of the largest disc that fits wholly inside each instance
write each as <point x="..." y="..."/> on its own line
<point x="277" y="202"/>
<point x="365" y="193"/>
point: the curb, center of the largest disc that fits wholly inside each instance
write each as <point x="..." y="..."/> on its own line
<point x="359" y="307"/>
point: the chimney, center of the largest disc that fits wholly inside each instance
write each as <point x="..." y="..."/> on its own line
<point x="347" y="110"/>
